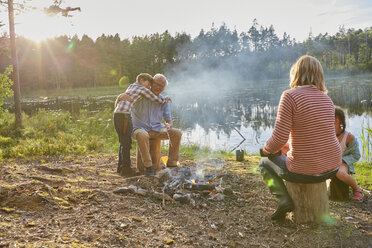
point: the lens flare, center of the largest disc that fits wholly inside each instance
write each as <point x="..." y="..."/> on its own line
<point x="328" y="220"/>
<point x="124" y="80"/>
<point x="270" y="182"/>
<point x="70" y="47"/>
<point x="113" y="72"/>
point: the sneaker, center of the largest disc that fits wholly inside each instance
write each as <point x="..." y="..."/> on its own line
<point x="127" y="171"/>
<point x="358" y="195"/>
<point x="149" y="171"/>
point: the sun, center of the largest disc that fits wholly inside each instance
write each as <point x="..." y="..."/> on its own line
<point x="38" y="26"/>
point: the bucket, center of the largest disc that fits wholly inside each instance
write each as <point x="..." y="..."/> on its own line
<point x="240" y="155"/>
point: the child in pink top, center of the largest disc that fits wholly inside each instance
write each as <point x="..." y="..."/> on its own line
<point x="350" y="154"/>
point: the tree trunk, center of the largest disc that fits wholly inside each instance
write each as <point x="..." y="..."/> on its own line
<point x="310" y="201"/>
<point x="16" y="86"/>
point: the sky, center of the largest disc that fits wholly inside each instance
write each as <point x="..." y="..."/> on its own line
<point x="141" y="17"/>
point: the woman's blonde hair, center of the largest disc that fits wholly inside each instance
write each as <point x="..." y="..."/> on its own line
<point x="307" y="71"/>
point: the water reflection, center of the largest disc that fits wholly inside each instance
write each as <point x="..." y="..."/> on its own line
<point x="212" y="119"/>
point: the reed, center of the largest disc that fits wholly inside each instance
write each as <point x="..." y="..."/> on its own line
<point x="366" y="136"/>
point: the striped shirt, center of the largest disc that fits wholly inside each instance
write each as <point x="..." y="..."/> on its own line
<point x="306" y="117"/>
<point x="136" y="92"/>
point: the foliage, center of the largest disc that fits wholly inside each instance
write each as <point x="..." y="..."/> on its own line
<point x="49" y="133"/>
<point x="5" y="85"/>
<point x="366" y="137"/>
<point x="54" y="133"/>
<point x="71" y="62"/>
<point x="363" y="174"/>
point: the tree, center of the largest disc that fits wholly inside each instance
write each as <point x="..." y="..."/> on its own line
<point x="55" y="8"/>
<point x="5" y="85"/>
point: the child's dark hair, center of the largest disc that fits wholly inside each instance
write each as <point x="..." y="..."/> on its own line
<point x="144" y="76"/>
<point x="339" y="114"/>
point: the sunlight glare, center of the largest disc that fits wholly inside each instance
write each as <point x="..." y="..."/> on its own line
<point x="38" y="26"/>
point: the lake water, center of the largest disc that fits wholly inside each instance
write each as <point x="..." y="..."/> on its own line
<point x="220" y="121"/>
<point x="218" y="118"/>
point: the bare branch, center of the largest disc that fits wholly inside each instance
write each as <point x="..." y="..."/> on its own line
<point x="56" y="9"/>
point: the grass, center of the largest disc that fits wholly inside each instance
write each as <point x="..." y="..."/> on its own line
<point x="366" y="137"/>
<point x="54" y="133"/>
<point x="81" y="92"/>
<point x="363" y="174"/>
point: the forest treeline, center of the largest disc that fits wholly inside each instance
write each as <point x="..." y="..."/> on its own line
<point x="64" y="62"/>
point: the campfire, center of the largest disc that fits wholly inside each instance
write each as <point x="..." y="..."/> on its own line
<point x="184" y="184"/>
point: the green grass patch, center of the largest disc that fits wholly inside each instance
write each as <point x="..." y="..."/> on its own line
<point x="194" y="151"/>
<point x="75" y="92"/>
<point x="363" y="174"/>
<point x="57" y="132"/>
<point x="50" y="133"/>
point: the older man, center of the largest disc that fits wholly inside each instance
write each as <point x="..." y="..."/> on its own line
<point x="147" y="120"/>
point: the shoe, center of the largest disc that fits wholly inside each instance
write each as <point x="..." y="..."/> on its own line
<point x="149" y="171"/>
<point x="282" y="210"/>
<point x="358" y="195"/>
<point x="127" y="171"/>
<point x="172" y="164"/>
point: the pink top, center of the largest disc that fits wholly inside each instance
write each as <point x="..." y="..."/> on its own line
<point x="306" y="117"/>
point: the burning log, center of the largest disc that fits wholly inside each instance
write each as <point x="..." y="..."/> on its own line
<point x="200" y="186"/>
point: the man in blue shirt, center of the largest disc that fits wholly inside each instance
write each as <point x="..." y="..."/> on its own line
<point x="147" y="120"/>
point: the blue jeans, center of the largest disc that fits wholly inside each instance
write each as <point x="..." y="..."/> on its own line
<point x="278" y="166"/>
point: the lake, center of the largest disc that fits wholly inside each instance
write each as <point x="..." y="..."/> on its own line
<point x="219" y="118"/>
<point x="220" y="122"/>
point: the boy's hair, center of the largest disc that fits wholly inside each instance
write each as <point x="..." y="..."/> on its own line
<point x="307" y="71"/>
<point x="339" y="114"/>
<point x="144" y="76"/>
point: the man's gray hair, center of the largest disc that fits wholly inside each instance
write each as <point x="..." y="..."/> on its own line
<point x="162" y="77"/>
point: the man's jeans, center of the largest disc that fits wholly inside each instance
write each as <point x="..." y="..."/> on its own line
<point x="143" y="143"/>
<point x="278" y="166"/>
<point x="123" y="127"/>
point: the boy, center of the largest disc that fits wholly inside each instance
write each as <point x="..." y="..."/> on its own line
<point x="123" y="122"/>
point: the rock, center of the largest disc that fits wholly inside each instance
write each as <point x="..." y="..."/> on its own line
<point x="182" y="198"/>
<point x="123" y="190"/>
<point x="228" y="191"/>
<point x="142" y="192"/>
<point x="160" y="196"/>
<point x="133" y="188"/>
<point x="163" y="175"/>
<point x="192" y="202"/>
<point x="217" y="197"/>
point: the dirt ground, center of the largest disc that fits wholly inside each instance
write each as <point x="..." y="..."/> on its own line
<point x="69" y="202"/>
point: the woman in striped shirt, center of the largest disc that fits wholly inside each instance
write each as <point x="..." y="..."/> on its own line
<point x="306" y="121"/>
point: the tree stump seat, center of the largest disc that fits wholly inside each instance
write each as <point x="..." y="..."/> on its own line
<point x="155" y="152"/>
<point x="310" y="201"/>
